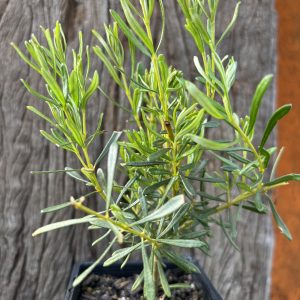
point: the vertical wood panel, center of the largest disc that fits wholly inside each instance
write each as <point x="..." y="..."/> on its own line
<point x="39" y="268"/>
<point x="286" y="269"/>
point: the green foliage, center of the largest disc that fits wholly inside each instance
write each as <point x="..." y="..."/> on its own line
<point x="165" y="203"/>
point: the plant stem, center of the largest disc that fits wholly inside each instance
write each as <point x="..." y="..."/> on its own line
<point x="247" y="195"/>
<point x="106" y="218"/>
<point x="155" y="272"/>
<point x="249" y="143"/>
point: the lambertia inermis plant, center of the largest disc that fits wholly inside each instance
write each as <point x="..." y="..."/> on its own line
<point x="166" y="201"/>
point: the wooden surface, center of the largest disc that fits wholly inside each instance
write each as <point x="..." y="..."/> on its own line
<point x="39" y="268"/>
<point x="286" y="269"/>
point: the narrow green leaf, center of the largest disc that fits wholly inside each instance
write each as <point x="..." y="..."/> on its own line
<point x="52" y="171"/>
<point x="152" y="188"/>
<point x="129" y="34"/>
<point x="279" y="114"/>
<point x="53" y="85"/>
<point x="75" y="174"/>
<point x="239" y="158"/>
<point x="56" y="207"/>
<point x="117" y="255"/>
<point x="179" y="261"/>
<point x="88" y="271"/>
<point x="35" y="93"/>
<point x="117" y="232"/>
<point x="229" y="168"/>
<point x="207" y="179"/>
<point x="135" y="26"/>
<point x="212" y="107"/>
<point x="50" y="138"/>
<point x="176" y="219"/>
<point x="282" y="227"/>
<point x="282" y="179"/>
<point x="101" y="237"/>
<point x="210" y="145"/>
<point x="111" y="166"/>
<point x="149" y="288"/>
<point x="228" y="235"/>
<point x="143" y="203"/>
<point x="226" y="161"/>
<point x="188" y="186"/>
<point x="257" y="99"/>
<point x="91" y="90"/>
<point x="180" y="286"/>
<point x="25" y="59"/>
<point x="273" y="172"/>
<point x="40" y="114"/>
<point x="100" y="224"/>
<point x="126" y="188"/>
<point x="266" y="156"/>
<point x="61" y="224"/>
<point x="143" y="163"/>
<point x="211" y="124"/>
<point x="182" y="243"/>
<point x="258" y="204"/>
<point x="235" y="149"/>
<point x="138" y="281"/>
<point x="158" y="154"/>
<point x="163" y="280"/>
<point x="98" y="51"/>
<point x="114" y="137"/>
<point x="230" y="25"/>
<point x="168" y="208"/>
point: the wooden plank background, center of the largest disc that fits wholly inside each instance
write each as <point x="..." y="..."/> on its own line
<point x="286" y="269"/>
<point x="39" y="268"/>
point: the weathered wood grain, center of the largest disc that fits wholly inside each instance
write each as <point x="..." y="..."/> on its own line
<point x="39" y="268"/>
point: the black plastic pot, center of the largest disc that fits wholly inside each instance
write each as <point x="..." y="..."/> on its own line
<point x="201" y="279"/>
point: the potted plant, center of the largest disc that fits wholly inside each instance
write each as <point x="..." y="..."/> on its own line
<point x="166" y="202"/>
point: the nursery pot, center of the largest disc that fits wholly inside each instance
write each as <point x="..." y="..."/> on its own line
<point x="200" y="280"/>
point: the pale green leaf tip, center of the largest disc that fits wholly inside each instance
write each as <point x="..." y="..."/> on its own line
<point x="35" y="233"/>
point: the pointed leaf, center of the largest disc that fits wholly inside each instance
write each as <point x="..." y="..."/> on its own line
<point x="62" y="224"/>
<point x="285" y="178"/>
<point x="143" y="163"/>
<point x="111" y="166"/>
<point x="117" y="255"/>
<point x="56" y="207"/>
<point x="179" y="261"/>
<point x="91" y="90"/>
<point x="114" y="137"/>
<point x="149" y="288"/>
<point x="168" y="208"/>
<point x="282" y="227"/>
<point x="256" y="102"/>
<point x="101" y="237"/>
<point x="135" y="26"/>
<point x="209" y="144"/>
<point x="279" y="114"/>
<point x="75" y="174"/>
<point x="212" y="107"/>
<point x="88" y="271"/>
<point x="176" y="218"/>
<point x="138" y="281"/>
<point x="163" y="280"/>
<point x="129" y="34"/>
<point x="40" y="114"/>
<point x="183" y="243"/>
<point x="126" y="187"/>
<point x="230" y="25"/>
